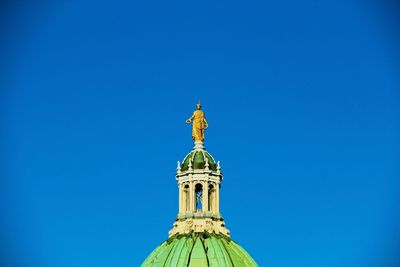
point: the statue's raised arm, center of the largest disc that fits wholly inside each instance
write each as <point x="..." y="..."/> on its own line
<point x="199" y="124"/>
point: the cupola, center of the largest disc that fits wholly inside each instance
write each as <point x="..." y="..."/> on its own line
<point x="199" y="237"/>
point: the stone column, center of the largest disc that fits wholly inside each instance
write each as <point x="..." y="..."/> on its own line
<point x="205" y="197"/>
<point x="192" y="197"/>
<point x="180" y="198"/>
<point x="216" y="203"/>
<point x="212" y="199"/>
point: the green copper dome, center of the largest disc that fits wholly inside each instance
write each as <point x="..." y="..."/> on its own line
<point x="199" y="250"/>
<point x="198" y="160"/>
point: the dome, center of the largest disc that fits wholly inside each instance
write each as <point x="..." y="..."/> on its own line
<point x="199" y="250"/>
<point x="197" y="159"/>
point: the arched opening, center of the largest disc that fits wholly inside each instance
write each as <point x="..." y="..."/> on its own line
<point x="186" y="198"/>
<point x="198" y="190"/>
<point x="211" y="197"/>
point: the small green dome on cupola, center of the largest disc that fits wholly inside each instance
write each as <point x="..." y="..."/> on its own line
<point x="198" y="159"/>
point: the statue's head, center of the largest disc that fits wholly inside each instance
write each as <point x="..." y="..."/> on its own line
<point x="198" y="106"/>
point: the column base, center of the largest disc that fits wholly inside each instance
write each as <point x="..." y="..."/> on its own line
<point x="199" y="225"/>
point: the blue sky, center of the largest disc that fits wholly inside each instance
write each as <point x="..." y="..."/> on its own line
<point x="303" y="106"/>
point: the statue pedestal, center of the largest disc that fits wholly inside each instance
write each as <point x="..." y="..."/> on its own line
<point x="198" y="145"/>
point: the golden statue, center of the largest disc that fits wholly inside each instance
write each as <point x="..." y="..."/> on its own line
<point x="199" y="124"/>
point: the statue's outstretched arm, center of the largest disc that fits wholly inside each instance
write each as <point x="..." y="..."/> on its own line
<point x="190" y="119"/>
